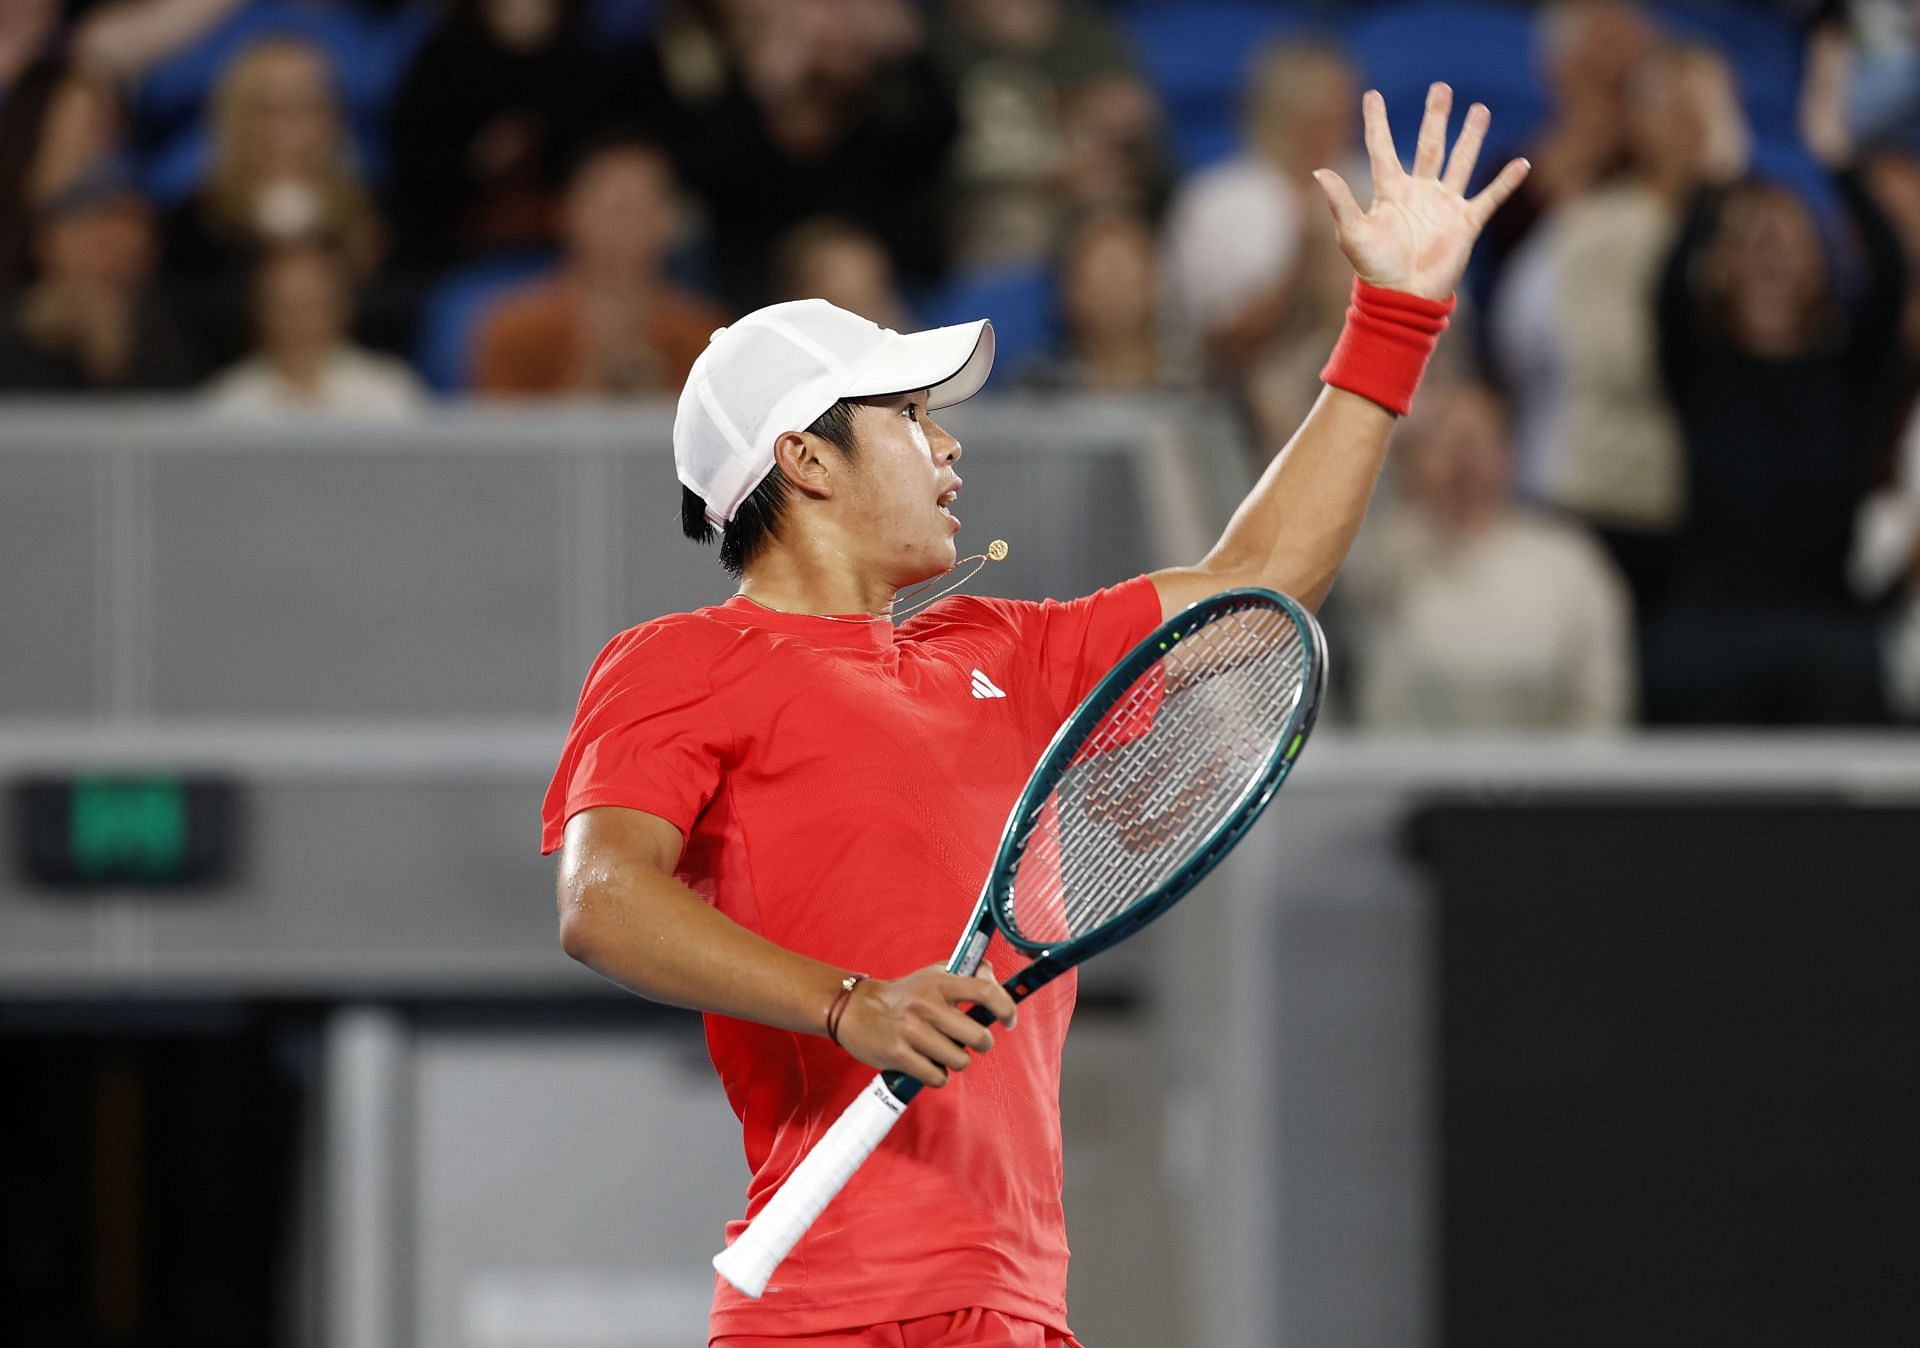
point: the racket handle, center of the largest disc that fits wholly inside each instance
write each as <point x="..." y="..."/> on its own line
<point x="757" y="1252"/>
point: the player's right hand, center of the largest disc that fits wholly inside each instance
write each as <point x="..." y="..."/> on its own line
<point x="913" y="1024"/>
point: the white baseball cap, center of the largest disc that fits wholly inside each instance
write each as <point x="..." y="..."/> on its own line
<point x="779" y="368"/>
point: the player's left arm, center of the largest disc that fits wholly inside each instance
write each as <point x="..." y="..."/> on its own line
<point x="1295" y="527"/>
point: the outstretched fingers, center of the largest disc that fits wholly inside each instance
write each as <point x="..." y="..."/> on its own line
<point x="1466" y="150"/>
<point x="1495" y="193"/>
<point x="1381" y="155"/>
<point x="1430" y="151"/>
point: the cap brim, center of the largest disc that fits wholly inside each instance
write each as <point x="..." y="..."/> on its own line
<point x="950" y="362"/>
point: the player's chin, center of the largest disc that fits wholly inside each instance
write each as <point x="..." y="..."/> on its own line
<point x="936" y="558"/>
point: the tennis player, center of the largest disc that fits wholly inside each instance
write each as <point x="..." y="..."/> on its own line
<point x="779" y="810"/>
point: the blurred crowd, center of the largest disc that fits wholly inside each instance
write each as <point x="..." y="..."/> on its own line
<point x="1666" y="469"/>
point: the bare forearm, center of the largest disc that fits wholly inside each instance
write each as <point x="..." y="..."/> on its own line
<point x="1298" y="523"/>
<point x="654" y="936"/>
<point x="625" y="916"/>
<point x="1295" y="528"/>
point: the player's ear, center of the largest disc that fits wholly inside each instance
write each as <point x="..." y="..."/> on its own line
<point x="801" y="460"/>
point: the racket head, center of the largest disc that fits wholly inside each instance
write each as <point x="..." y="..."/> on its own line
<point x="1157" y="774"/>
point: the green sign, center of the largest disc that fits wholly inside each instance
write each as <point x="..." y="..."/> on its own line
<point x="127" y="828"/>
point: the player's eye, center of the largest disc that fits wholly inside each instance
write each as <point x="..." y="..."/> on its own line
<point x="913" y="413"/>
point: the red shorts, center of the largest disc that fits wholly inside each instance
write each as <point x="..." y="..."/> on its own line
<point x="974" y="1328"/>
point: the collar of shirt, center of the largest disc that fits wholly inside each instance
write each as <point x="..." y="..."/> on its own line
<point x="852" y="631"/>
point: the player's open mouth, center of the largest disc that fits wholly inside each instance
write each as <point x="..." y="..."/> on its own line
<point x="945" y="503"/>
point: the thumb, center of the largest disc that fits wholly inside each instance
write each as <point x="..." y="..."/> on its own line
<point x="1346" y="211"/>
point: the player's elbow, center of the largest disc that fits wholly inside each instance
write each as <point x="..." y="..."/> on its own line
<point x="1307" y="581"/>
<point x="575" y="939"/>
<point x="580" y="930"/>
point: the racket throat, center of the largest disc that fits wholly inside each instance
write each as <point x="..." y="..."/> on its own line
<point x="968" y="954"/>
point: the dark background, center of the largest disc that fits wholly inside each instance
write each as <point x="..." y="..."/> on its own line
<point x="1677" y="1098"/>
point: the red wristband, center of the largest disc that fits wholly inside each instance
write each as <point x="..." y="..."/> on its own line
<point x="1385" y="346"/>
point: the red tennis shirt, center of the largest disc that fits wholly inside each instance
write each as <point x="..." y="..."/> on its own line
<point x="841" y="788"/>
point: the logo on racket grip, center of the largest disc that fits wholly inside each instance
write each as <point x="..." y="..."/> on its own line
<point x="877" y="1088"/>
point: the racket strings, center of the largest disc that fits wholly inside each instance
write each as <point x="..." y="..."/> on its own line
<point x="1167" y="765"/>
<point x="1187" y="798"/>
<point x="1123" y="831"/>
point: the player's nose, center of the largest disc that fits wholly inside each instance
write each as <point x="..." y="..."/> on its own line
<point x="946" y="449"/>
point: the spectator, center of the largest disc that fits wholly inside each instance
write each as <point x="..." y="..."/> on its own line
<point x="610" y="322"/>
<point x="1112" y="149"/>
<point x="89" y="320"/>
<point x="829" y="107"/>
<point x="1777" y="372"/>
<point x="282" y="169"/>
<point x="1109" y="299"/>
<point x="1571" y="327"/>
<point x="303" y="308"/>
<point x="282" y="172"/>
<point x="1591" y="52"/>
<point x="57" y="125"/>
<point x="1473" y="612"/>
<point x="837" y="261"/>
<point x="496" y="107"/>
<point x="1259" y="281"/>
<point x="1039" y="84"/>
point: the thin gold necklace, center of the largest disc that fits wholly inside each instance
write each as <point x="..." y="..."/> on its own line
<point x="996" y="551"/>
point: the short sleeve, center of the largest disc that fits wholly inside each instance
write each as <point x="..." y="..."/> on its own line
<point x="1075" y="642"/>
<point x="647" y="735"/>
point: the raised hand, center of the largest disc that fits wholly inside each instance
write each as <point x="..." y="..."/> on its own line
<point x="1422" y="225"/>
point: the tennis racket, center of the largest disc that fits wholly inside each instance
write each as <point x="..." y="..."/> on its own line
<point x="1152" y="780"/>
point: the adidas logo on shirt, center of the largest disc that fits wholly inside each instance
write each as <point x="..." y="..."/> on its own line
<point x="983" y="686"/>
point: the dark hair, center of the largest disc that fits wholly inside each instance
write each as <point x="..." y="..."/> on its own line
<point x="757" y="521"/>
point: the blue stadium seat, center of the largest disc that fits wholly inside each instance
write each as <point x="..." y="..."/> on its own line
<point x="1017" y="297"/>
<point x="1196" y="56"/>
<point x="368" y="49"/>
<point x="1488" y="52"/>
<point x="620" y="23"/>
<point x="1485" y="51"/>
<point x="443" y="344"/>
<point x="1764" y="47"/>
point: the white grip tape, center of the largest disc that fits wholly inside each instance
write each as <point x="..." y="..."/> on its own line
<point x="751" y="1259"/>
